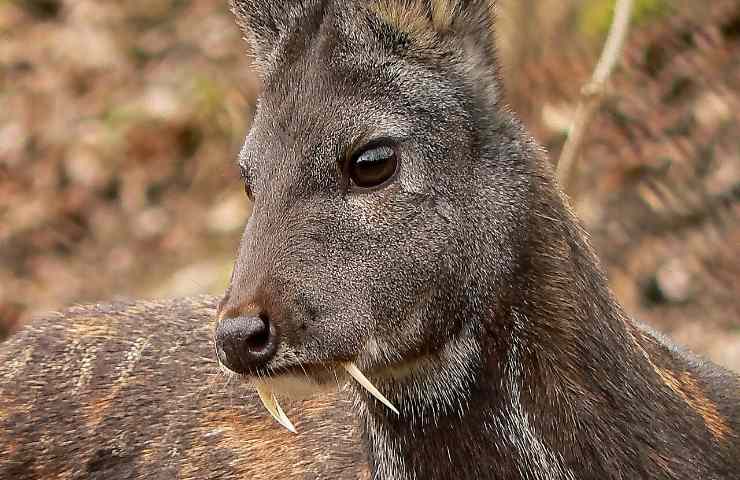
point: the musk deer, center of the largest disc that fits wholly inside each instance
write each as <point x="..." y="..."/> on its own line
<point x="407" y="233"/>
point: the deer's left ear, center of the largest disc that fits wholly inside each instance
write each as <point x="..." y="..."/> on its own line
<point x="264" y="22"/>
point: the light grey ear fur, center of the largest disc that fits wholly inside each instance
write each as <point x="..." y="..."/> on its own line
<point x="264" y="23"/>
<point x="476" y="28"/>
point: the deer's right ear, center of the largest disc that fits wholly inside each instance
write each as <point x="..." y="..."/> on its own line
<point x="263" y="22"/>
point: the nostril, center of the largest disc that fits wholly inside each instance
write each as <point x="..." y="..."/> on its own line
<point x="259" y="339"/>
<point x="246" y="342"/>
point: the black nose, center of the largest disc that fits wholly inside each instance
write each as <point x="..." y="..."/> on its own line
<point x="244" y="343"/>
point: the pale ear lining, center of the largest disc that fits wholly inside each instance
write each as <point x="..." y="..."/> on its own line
<point x="256" y="21"/>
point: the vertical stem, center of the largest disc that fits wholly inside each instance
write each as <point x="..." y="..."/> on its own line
<point x="593" y="93"/>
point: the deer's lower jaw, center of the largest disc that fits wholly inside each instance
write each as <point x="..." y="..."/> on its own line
<point x="294" y="386"/>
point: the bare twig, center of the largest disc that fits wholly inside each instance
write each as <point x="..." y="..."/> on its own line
<point x="593" y="92"/>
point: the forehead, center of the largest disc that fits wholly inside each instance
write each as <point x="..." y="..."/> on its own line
<point x="306" y="126"/>
<point x="357" y="49"/>
<point x="329" y="57"/>
<point x="332" y="79"/>
<point x="344" y="77"/>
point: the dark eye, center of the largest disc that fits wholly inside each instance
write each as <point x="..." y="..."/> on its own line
<point x="373" y="166"/>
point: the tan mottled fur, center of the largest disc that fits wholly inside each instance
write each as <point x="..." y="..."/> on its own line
<point x="685" y="386"/>
<point x="423" y="19"/>
<point x="153" y="402"/>
<point x="705" y="407"/>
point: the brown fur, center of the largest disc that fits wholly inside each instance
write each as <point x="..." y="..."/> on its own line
<point x="422" y="19"/>
<point x="416" y="18"/>
<point x="685" y="386"/>
<point x="697" y="399"/>
<point x="155" y="404"/>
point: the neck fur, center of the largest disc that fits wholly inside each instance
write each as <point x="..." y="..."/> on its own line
<point x="494" y="402"/>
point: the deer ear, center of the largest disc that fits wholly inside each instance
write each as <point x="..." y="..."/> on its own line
<point x="471" y="18"/>
<point x="475" y="18"/>
<point x="466" y="24"/>
<point x="263" y="23"/>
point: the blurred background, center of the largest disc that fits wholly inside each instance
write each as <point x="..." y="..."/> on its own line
<point x="120" y="123"/>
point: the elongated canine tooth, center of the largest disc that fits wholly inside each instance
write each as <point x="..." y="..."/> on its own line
<point x="271" y="404"/>
<point x="367" y="385"/>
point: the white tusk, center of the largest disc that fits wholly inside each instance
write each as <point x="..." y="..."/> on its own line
<point x="271" y="404"/>
<point x="355" y="373"/>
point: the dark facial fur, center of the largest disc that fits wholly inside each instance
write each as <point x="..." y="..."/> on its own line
<point x="361" y="276"/>
<point x="465" y="288"/>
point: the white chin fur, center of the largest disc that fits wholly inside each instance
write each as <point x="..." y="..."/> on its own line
<point x="297" y="387"/>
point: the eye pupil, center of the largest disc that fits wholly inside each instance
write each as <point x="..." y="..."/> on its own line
<point x="373" y="167"/>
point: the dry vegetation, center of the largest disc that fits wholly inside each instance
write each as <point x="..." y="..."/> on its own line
<point x="119" y="123"/>
<point x="658" y="183"/>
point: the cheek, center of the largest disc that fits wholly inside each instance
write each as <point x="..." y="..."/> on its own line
<point x="409" y="273"/>
<point x="392" y="245"/>
<point x="413" y="179"/>
<point x="365" y="211"/>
